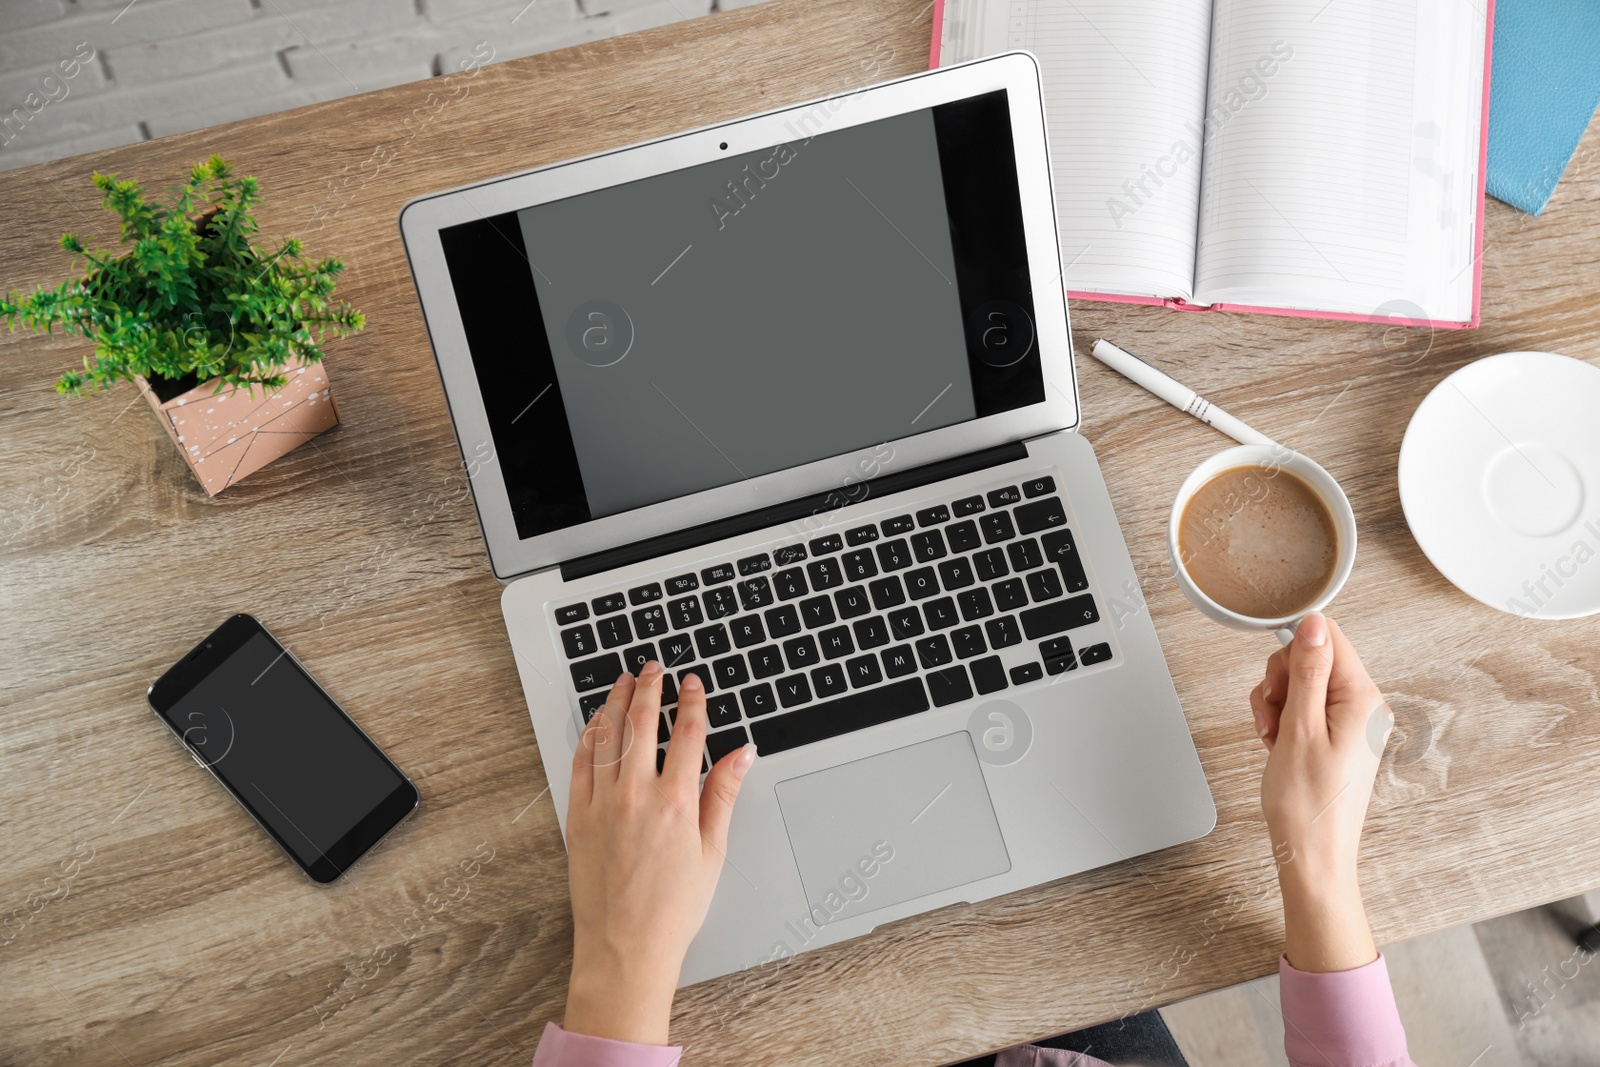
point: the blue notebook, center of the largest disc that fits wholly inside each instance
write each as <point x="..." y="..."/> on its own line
<point x="1545" y="87"/>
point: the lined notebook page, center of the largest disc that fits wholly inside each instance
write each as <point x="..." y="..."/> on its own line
<point x="1124" y="85"/>
<point x="1342" y="176"/>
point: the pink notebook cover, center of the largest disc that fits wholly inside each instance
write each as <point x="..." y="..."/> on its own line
<point x="1184" y="305"/>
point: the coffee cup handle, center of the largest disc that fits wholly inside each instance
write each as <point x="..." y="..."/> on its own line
<point x="1286" y="633"/>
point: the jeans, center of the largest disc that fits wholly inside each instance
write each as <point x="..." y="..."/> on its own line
<point x="1141" y="1040"/>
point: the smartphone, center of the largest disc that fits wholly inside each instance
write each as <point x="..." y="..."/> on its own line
<point x="249" y="713"/>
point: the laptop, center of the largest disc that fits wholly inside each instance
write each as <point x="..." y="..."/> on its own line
<point x="789" y="403"/>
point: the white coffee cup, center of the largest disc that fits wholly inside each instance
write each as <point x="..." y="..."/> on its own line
<point x="1274" y="457"/>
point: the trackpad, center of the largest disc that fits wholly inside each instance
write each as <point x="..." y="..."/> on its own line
<point x="892" y="827"/>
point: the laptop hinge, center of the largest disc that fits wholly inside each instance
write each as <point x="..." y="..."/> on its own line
<point x="788" y="511"/>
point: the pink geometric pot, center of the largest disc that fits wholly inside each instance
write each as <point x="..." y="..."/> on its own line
<point x="227" y="435"/>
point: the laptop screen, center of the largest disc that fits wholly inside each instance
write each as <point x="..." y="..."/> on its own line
<point x="677" y="333"/>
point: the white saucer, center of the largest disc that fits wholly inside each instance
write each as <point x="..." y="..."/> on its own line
<point x="1500" y="482"/>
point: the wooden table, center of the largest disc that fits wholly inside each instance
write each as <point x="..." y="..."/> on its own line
<point x="183" y="936"/>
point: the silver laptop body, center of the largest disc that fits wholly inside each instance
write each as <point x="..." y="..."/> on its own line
<point x="790" y="402"/>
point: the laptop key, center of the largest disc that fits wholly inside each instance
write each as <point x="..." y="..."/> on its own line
<point x="722" y="710"/>
<point x="852" y="603"/>
<point x="949" y="686"/>
<point x="792" y="690"/>
<point x="634" y="659"/>
<point x="968" y="642"/>
<point x="828" y="681"/>
<point x="933" y="516"/>
<point x="591" y="704"/>
<point x="921" y="583"/>
<point x="801" y="652"/>
<point x="1041" y="515"/>
<point x="722" y="742"/>
<point x="861" y="535"/>
<point x="644" y="594"/>
<point x="967" y="505"/>
<point x="900" y="524"/>
<point x="963" y="536"/>
<point x="818" y="611"/>
<point x="651" y="621"/>
<point x="1061" y="615"/>
<point x="604" y="605"/>
<point x="758" y="700"/>
<point x="662" y="733"/>
<point x="790" y="583"/>
<point x="905" y="623"/>
<point x="712" y="640"/>
<point x="999" y="498"/>
<point x="974" y="604"/>
<point x="1009" y="595"/>
<point x="841" y="715"/>
<point x="722" y="572"/>
<point x="988" y="676"/>
<point x="956" y="573"/>
<point x="990" y="564"/>
<point x="1025" y="673"/>
<point x="940" y="613"/>
<point x="683" y="583"/>
<point x="1024" y="555"/>
<point x="899" y="660"/>
<point x="1003" y="632"/>
<point x="894" y="555"/>
<point x="836" y="642"/>
<point x="870" y="633"/>
<point x="1060" y="550"/>
<point x="685" y="612"/>
<point x="825" y="574"/>
<point x="730" y="672"/>
<point x="755" y="593"/>
<point x="1060" y="664"/>
<point x="1038" y="487"/>
<point x="766" y="661"/>
<point x="571" y="613"/>
<point x="821" y="546"/>
<point x="997" y="527"/>
<point x="579" y="641"/>
<point x="702" y="670"/>
<point x="863" y="671"/>
<point x="858" y="565"/>
<point x="781" y="622"/>
<point x="676" y="650"/>
<point x="788" y="554"/>
<point x="747" y="631"/>
<point x="614" y="631"/>
<point x="755" y="564"/>
<point x="719" y="602"/>
<point x="887" y="593"/>
<point x="934" y="651"/>
<point x="928" y="546"/>
<point x="593" y="673"/>
<point x="1043" y="585"/>
<point x="1099" y="653"/>
<point x="669" y="691"/>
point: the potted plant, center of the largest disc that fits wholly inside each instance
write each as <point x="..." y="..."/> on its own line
<point x="223" y="337"/>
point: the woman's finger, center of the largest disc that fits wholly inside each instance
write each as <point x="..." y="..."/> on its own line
<point x="686" y="750"/>
<point x="608" y="733"/>
<point x="716" y="799"/>
<point x="644" y="714"/>
<point x="1266" y="716"/>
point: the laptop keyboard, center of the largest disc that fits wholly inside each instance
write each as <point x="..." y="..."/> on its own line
<point x="848" y="630"/>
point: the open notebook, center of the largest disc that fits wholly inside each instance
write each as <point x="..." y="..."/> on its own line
<point x="1322" y="158"/>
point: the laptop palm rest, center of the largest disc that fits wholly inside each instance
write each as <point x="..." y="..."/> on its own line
<point x="892" y="827"/>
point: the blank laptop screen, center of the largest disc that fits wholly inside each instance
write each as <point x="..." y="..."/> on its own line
<point x="724" y="321"/>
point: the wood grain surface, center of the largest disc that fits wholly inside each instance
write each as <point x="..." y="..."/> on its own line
<point x="152" y="922"/>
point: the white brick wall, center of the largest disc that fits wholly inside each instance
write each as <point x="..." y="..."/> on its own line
<point x="158" y="67"/>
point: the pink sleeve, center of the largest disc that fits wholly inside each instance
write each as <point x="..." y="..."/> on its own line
<point x="1341" y="1019"/>
<point x="557" y="1048"/>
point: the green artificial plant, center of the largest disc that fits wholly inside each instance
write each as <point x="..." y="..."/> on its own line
<point x="193" y="300"/>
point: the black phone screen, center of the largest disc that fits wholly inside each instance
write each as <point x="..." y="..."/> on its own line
<point x="291" y="756"/>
